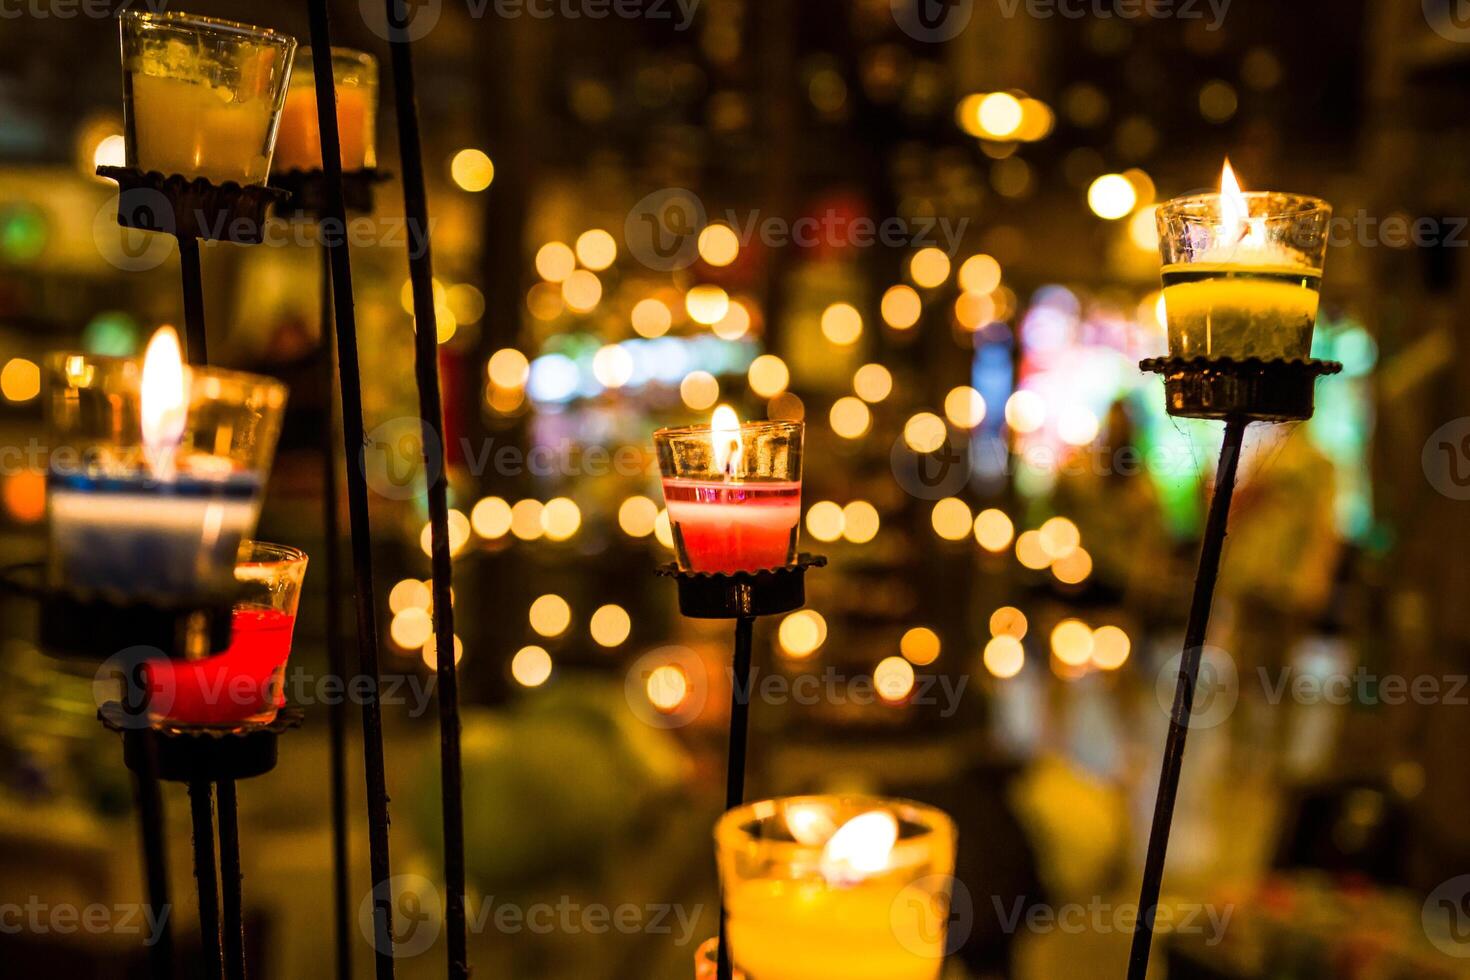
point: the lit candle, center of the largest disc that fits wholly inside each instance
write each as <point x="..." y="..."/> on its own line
<point x="156" y="472"/>
<point x="1242" y="272"/>
<point x="822" y="887"/>
<point x="245" y="683"/>
<point x="733" y="492"/>
<point x="299" y="143"/>
<point x="201" y="97"/>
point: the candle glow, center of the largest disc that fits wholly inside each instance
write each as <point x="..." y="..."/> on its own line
<point x="824" y="887"/>
<point x="164" y="404"/>
<point x="733" y="493"/>
<point x="1239" y="282"/>
<point x="163" y="474"/>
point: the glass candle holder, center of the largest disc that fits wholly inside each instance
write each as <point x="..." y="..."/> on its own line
<point x="1242" y="273"/>
<point x="245" y="683"/>
<point x="202" y="97"/>
<point x="153" y="483"/>
<point x="299" y="143"/>
<point x="836" y="886"/>
<point x="733" y="493"/>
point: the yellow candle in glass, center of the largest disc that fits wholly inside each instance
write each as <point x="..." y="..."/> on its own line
<point x="1242" y="273"/>
<point x="823" y="887"/>
<point x="299" y="143"/>
<point x="202" y="96"/>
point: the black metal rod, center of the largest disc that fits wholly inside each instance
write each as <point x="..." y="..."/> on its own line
<point x="431" y="415"/>
<point x="201" y="807"/>
<point x="735" y="761"/>
<point x="231" y="881"/>
<point x="196" y="347"/>
<point x="353" y="440"/>
<point x="1194" y="638"/>
<point x="336" y="648"/>
<point x="155" y="857"/>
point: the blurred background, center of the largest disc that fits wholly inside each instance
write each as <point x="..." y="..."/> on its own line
<point x="928" y="230"/>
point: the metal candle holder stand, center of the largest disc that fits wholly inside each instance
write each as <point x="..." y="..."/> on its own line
<point x="741" y="596"/>
<point x="206" y="760"/>
<point x="92" y="627"/>
<point x="1238" y="393"/>
<point x="307" y="194"/>
<point x="192" y="210"/>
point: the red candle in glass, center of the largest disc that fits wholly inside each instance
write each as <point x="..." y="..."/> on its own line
<point x="243" y="684"/>
<point x="733" y="492"/>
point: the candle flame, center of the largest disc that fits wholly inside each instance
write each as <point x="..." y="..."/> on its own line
<point x="725" y="440"/>
<point x="862" y="847"/>
<point x="165" y="403"/>
<point x="810" y="823"/>
<point x="1236" y="224"/>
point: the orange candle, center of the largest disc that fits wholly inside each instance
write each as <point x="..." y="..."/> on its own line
<point x="202" y="96"/>
<point x="299" y="144"/>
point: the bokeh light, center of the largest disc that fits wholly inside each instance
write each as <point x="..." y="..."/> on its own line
<point x="920" y="646"/>
<point x="610" y="625"/>
<point x="550" y="615"/>
<point x="1004" y="656"/>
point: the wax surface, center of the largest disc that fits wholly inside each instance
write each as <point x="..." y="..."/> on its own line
<point x="809" y="930"/>
<point x="241" y="684"/>
<point x="190" y="128"/>
<point x="137" y="537"/>
<point x="1240" y="311"/>
<point x="733" y="526"/>
<point x="299" y="141"/>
